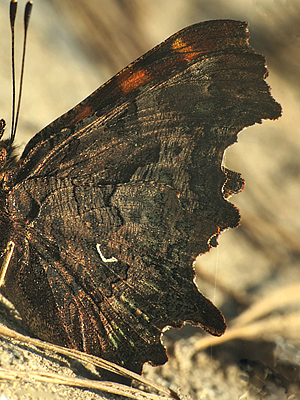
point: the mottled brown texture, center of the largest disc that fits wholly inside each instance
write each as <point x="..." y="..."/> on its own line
<point x="135" y="168"/>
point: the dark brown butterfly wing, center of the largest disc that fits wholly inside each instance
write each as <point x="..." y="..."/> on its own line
<point x="113" y="201"/>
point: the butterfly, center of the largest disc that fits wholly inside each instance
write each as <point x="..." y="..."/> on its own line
<point x="108" y="206"/>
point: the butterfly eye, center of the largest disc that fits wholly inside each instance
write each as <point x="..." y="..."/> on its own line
<point x="8" y="157"/>
<point x="2" y="127"/>
<point x="3" y="151"/>
<point x="3" y="154"/>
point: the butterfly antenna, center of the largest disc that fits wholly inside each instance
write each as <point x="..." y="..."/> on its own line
<point x="12" y="15"/>
<point x="27" y="14"/>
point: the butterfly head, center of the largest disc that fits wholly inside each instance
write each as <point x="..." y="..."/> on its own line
<point x="8" y="157"/>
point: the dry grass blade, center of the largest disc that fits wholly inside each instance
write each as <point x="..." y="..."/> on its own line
<point x="247" y="326"/>
<point x="109" y="387"/>
<point x="268" y="328"/>
<point x="275" y="301"/>
<point x="97" y="361"/>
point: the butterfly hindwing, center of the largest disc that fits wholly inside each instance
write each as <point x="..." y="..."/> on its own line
<point x="118" y="196"/>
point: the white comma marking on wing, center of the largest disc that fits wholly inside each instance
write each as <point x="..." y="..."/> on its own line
<point x="104" y="259"/>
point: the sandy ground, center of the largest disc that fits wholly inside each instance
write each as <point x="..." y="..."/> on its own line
<point x="69" y="55"/>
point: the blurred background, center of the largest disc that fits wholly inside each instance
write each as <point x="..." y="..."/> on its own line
<point x="75" y="46"/>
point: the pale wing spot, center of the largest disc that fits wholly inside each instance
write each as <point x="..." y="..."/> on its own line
<point x="115" y="338"/>
<point x="133" y="307"/>
<point x="104" y="259"/>
<point x="112" y="339"/>
<point x="117" y="328"/>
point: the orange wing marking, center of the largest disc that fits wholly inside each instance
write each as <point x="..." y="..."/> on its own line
<point x="181" y="47"/>
<point x="134" y="80"/>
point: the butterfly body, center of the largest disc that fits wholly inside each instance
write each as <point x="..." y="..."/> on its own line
<point x="110" y="204"/>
